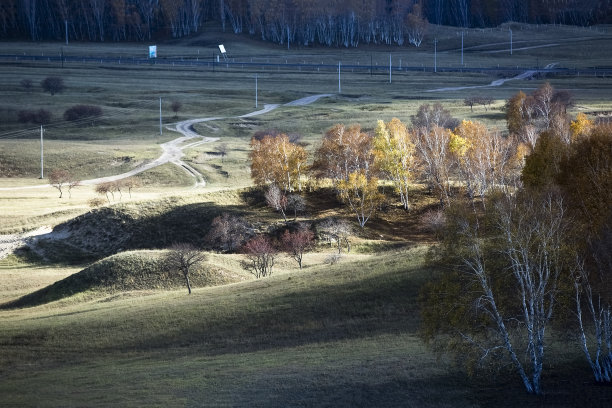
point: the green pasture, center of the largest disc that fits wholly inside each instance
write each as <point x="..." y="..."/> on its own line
<point x="327" y="335"/>
<point x="129" y="95"/>
<point x="344" y="335"/>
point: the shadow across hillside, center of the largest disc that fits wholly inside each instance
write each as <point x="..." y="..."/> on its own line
<point x="110" y="230"/>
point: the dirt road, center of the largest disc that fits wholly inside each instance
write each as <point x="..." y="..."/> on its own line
<point x="172" y="151"/>
<point x="497" y="82"/>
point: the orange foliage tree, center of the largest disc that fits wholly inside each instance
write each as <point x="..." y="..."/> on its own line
<point x="275" y="160"/>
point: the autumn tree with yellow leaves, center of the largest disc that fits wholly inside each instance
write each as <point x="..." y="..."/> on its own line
<point x="360" y="193"/>
<point x="394" y="156"/>
<point x="344" y="150"/>
<point x="434" y="158"/>
<point x="581" y="127"/>
<point x="483" y="157"/>
<point x="275" y="160"/>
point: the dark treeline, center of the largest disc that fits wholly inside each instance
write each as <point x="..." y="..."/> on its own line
<point x="328" y="22"/>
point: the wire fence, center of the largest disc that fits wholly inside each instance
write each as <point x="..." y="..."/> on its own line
<point x="254" y="65"/>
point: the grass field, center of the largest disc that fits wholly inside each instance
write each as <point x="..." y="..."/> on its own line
<point x="334" y="336"/>
<point x="328" y="335"/>
<point x="129" y="94"/>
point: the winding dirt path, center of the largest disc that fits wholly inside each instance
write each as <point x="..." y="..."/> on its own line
<point x="497" y="82"/>
<point x="172" y="151"/>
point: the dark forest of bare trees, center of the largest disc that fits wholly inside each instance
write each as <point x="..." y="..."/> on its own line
<point x="328" y="22"/>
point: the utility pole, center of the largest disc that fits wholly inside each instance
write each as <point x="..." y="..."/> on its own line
<point x="339" y="84"/>
<point x="510" y="41"/>
<point x="435" y="55"/>
<point x="462" y="48"/>
<point x="160" y="118"/>
<point x="390" y="67"/>
<point x="42" y="173"/>
<point x="371" y="65"/>
<point x="255" y="90"/>
<point x="66" y="29"/>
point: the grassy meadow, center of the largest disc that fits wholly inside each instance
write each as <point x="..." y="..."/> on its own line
<point x="97" y="328"/>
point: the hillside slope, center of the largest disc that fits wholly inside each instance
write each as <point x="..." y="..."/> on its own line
<point x="345" y="335"/>
<point x="124" y="272"/>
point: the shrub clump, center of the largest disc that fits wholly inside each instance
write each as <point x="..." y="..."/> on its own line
<point x="39" y="117"/>
<point x="26" y="84"/>
<point x="78" y="112"/>
<point x="53" y="85"/>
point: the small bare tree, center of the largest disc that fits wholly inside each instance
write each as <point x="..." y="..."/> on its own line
<point x="131" y="183"/>
<point x="26" y="84"/>
<point x="470" y="101"/>
<point x="298" y="242"/>
<point x="176" y="107"/>
<point x="260" y="254"/>
<point x="184" y="258"/>
<point x="485" y="101"/>
<point x="61" y="179"/>
<point x="228" y="232"/>
<point x="222" y="149"/>
<point x="104" y="189"/>
<point x="338" y="231"/>
<point x="296" y="203"/>
<point x="277" y="200"/>
<point x="53" y="85"/>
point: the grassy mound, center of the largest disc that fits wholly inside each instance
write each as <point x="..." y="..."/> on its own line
<point x="144" y="225"/>
<point x="127" y="271"/>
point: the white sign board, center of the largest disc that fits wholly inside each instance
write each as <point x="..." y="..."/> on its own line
<point x="222" y="48"/>
<point x="152" y="51"/>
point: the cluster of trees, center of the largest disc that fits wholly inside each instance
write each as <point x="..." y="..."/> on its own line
<point x="117" y="186"/>
<point x="485" y="101"/>
<point x="434" y="149"/>
<point x="80" y="112"/>
<point x="338" y="23"/>
<point x="63" y="180"/>
<point x="544" y="109"/>
<point x="76" y="113"/>
<point x="526" y="222"/>
<point x="533" y="253"/>
<point x="231" y="233"/>
<point x="37" y="117"/>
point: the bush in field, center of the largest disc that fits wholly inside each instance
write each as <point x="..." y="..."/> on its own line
<point x="39" y="117"/>
<point x="298" y="242"/>
<point x="229" y="232"/>
<point x="26" y="84"/>
<point x="78" y="112"/>
<point x="176" y="106"/>
<point x="261" y="254"/>
<point x="53" y="85"/>
<point x="96" y="202"/>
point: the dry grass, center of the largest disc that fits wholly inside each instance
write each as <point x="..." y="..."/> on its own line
<point x="341" y="335"/>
